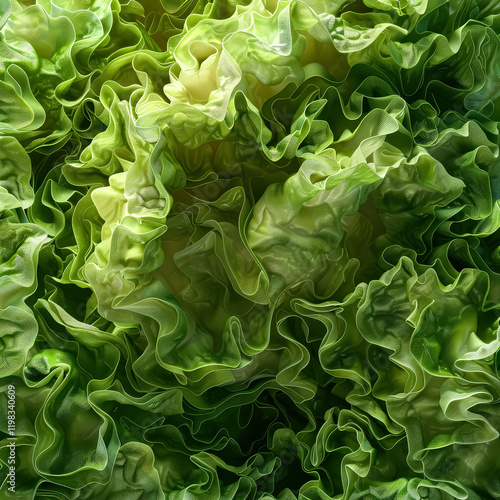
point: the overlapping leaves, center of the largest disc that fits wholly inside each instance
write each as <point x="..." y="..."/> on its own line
<point x="250" y="249"/>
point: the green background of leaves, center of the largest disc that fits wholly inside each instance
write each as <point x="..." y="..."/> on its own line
<point x="250" y="250"/>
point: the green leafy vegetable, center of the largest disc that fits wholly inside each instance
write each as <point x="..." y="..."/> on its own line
<point x="249" y="249"/>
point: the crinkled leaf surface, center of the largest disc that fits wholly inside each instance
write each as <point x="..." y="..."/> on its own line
<point x="250" y="249"/>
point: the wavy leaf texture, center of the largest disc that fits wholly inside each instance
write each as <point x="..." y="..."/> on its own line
<point x="250" y="249"/>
